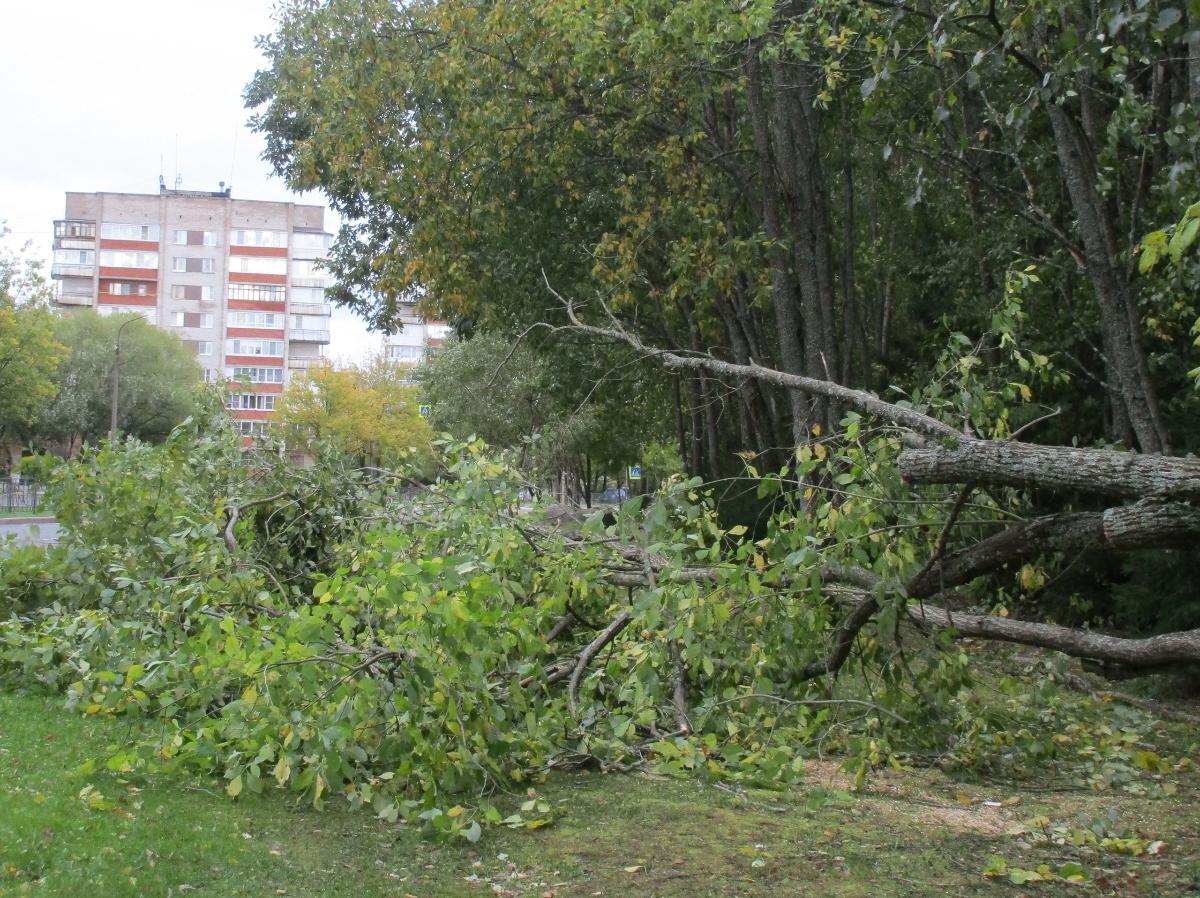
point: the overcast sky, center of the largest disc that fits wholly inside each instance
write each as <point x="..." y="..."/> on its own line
<point x="105" y="96"/>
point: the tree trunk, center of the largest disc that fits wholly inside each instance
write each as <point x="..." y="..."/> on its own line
<point x="1120" y="325"/>
<point x="784" y="298"/>
<point x="1099" y="472"/>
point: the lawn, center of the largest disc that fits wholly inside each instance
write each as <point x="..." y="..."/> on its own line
<point x="67" y="832"/>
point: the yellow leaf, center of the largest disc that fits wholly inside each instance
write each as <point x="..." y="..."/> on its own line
<point x="234" y="789"/>
<point x="819" y="451"/>
<point x="456" y="811"/>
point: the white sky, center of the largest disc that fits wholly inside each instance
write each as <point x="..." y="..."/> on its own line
<point x="103" y="95"/>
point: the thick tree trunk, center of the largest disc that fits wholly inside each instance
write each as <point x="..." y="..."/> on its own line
<point x="1098" y="472"/>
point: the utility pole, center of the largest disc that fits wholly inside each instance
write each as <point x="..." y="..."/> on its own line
<point x="116" y="381"/>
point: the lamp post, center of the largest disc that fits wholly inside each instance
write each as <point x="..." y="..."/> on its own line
<point x="116" y="381"/>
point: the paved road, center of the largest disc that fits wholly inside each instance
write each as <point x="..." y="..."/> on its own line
<point x="30" y="531"/>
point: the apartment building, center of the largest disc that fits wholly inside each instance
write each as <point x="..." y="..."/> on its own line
<point x="235" y="279"/>
<point x="418" y="338"/>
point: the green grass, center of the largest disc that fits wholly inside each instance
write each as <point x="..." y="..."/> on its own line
<point x="22" y="513"/>
<point x="166" y="835"/>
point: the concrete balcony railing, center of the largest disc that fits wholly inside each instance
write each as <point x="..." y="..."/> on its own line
<point x="64" y="269"/>
<point x="309" y="282"/>
<point x="309" y="308"/>
<point x="74" y="299"/>
<point x="303" y="364"/>
<point x="308" y="336"/>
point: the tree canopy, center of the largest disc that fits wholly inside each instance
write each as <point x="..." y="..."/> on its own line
<point x="29" y="352"/>
<point x="370" y="412"/>
<point x="159" y="380"/>
<point x="758" y="180"/>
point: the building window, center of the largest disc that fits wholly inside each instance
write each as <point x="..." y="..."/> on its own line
<point x="306" y="268"/>
<point x="412" y="354"/>
<point x="255" y="402"/>
<point x="257" y="375"/>
<point x="303" y="242"/>
<point x="117" y="231"/>
<point x="128" y="258"/>
<point x="248" y="237"/>
<point x="75" y="256"/>
<point x="257" y="292"/>
<point x="191" y="265"/>
<point x="210" y="376"/>
<point x="254" y="347"/>
<point x="204" y="347"/>
<point x="258" y="264"/>
<point x="194" y="238"/>
<point x="308" y="294"/>
<point x="75" y="230"/>
<point x="254" y="428"/>
<point x="256" y="319"/>
<point x="191" y="291"/>
<point x="120" y="288"/>
<point x="192" y="319"/>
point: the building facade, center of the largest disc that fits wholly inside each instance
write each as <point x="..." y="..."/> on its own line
<point x="235" y="279"/>
<point x="417" y="340"/>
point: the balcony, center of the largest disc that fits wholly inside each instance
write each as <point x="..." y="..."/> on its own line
<point x="304" y="364"/>
<point x="67" y="270"/>
<point x="75" y="229"/>
<point x="308" y="336"/>
<point x="73" y="243"/>
<point x="74" y="299"/>
<point x="309" y="282"/>
<point x="309" y="308"/>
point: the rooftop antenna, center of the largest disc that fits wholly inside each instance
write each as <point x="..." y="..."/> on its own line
<point x="178" y="176"/>
<point x="233" y="157"/>
<point x="162" y="182"/>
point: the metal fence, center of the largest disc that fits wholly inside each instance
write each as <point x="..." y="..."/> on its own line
<point x="20" y="496"/>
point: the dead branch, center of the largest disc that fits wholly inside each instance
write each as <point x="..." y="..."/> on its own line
<point x="607" y="635"/>
<point x="861" y="401"/>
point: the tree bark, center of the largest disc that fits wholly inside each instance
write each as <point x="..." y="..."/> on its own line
<point x="1120" y="325"/>
<point x="1099" y="472"/>
<point x="1144" y="524"/>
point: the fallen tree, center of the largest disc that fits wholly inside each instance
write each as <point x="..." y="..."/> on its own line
<point x="1161" y="515"/>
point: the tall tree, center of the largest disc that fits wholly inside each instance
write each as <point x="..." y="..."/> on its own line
<point x="29" y="353"/>
<point x="158" y="387"/>
<point x="370" y="413"/>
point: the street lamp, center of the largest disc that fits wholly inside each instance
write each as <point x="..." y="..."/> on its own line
<point x="116" y="380"/>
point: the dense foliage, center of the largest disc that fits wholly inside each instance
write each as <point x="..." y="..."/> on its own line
<point x="370" y="412"/>
<point x="815" y="186"/>
<point x="417" y="649"/>
<point x="573" y="410"/>
<point x="29" y="353"/>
